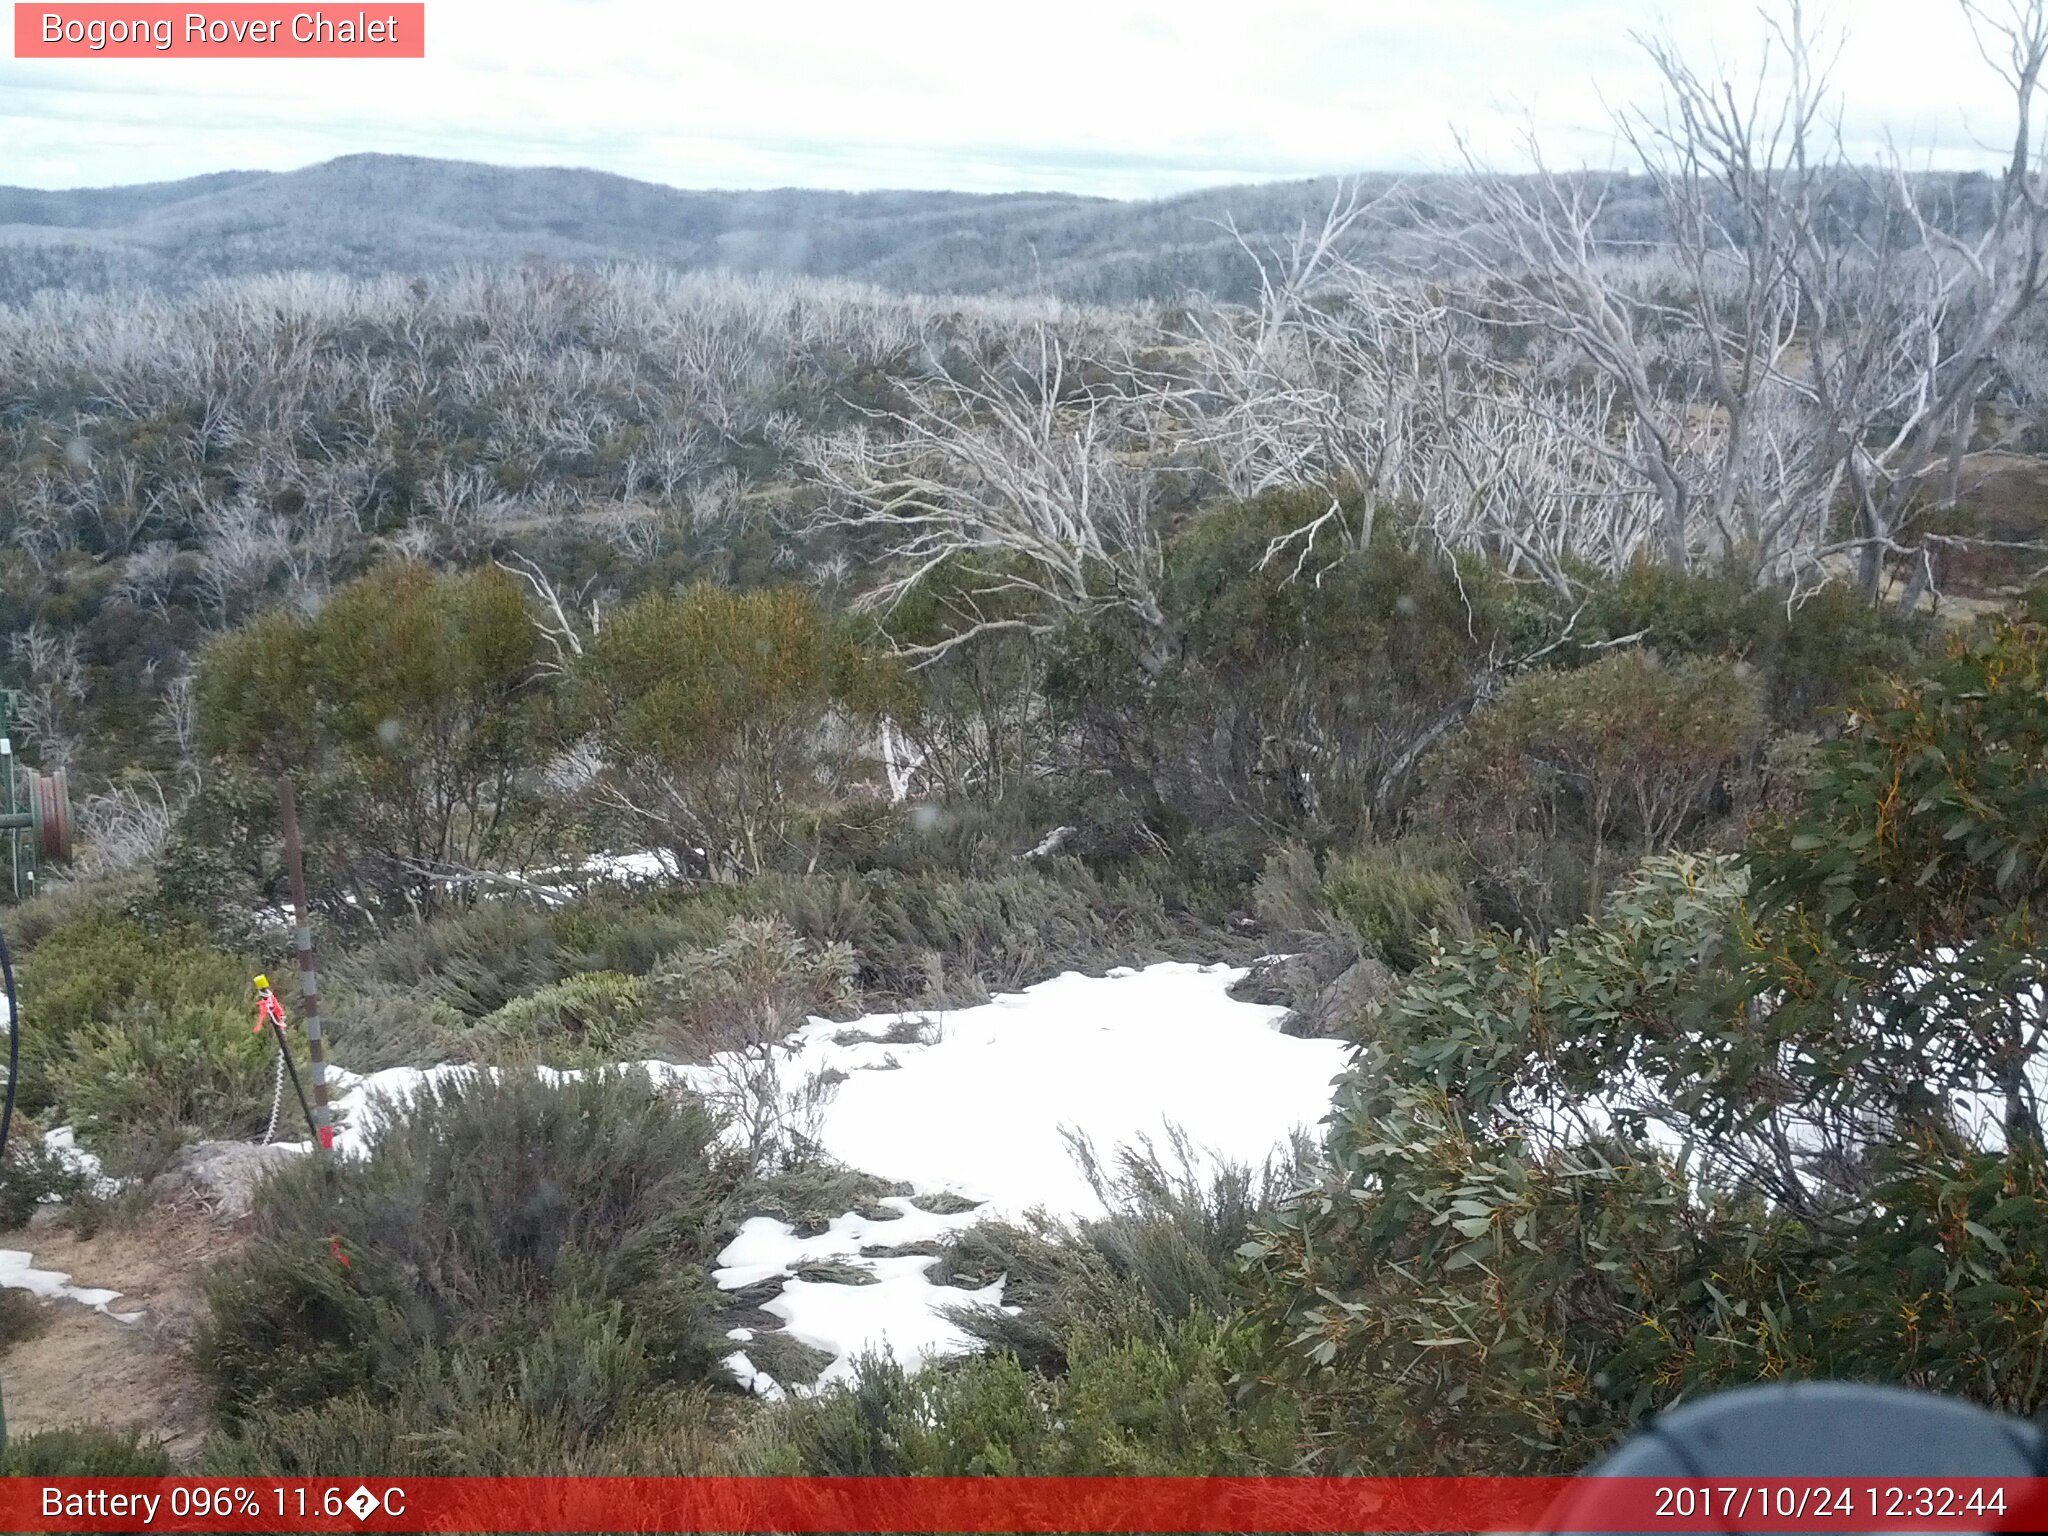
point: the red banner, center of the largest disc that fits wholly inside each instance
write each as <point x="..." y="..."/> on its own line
<point x="223" y="31"/>
<point x="1023" y="1504"/>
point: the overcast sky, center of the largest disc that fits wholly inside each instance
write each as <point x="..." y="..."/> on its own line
<point x="1118" y="97"/>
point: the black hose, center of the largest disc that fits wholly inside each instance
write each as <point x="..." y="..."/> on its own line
<point x="285" y="1055"/>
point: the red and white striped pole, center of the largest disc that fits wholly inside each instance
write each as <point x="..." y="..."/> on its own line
<point x="309" y="975"/>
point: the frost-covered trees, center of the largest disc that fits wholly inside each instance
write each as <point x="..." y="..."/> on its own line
<point x="1034" y="490"/>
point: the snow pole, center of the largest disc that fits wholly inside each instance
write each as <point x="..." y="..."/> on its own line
<point x="309" y="976"/>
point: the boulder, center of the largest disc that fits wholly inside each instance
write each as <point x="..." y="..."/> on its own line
<point x="220" y="1176"/>
<point x="1350" y="1001"/>
<point x="1328" y="988"/>
<point x="1296" y="979"/>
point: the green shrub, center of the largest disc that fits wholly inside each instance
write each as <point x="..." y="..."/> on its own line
<point x="584" y="1020"/>
<point x="1568" y="773"/>
<point x="1165" y="1249"/>
<point x="1387" y="902"/>
<point x="810" y="1196"/>
<point x="85" y="1450"/>
<point x="98" y="1209"/>
<point x="1288" y="895"/>
<point x="467" y="1428"/>
<point x="1381" y="899"/>
<point x="32" y="1175"/>
<point x="921" y="940"/>
<point x="141" y="1033"/>
<point x="1808" y="658"/>
<point x="22" y="1317"/>
<point x="718" y="711"/>
<point x="59" y="903"/>
<point x="1164" y="1405"/>
<point x="1288" y="684"/>
<point x="474" y="962"/>
<point x="222" y="861"/>
<point x="495" y="1224"/>
<point x="732" y="1005"/>
<point x="100" y="965"/>
<point x="371" y="1025"/>
<point x="1002" y="932"/>
<point x="1488" y="1277"/>
<point x="750" y="990"/>
<point x="150" y="1072"/>
<point x="412" y="711"/>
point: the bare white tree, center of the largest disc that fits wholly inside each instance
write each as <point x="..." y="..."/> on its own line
<point x="1325" y="380"/>
<point x="561" y="632"/>
<point x="1032" y="490"/>
<point x="1805" y="335"/>
<point x="47" y="710"/>
<point x="123" y="826"/>
<point x="178" y="716"/>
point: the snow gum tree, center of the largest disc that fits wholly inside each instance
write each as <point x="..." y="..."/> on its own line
<point x="728" y="720"/>
<point x="412" y="713"/>
<point x="1761" y="1116"/>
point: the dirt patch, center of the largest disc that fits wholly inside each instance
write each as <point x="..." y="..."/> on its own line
<point x="88" y="1367"/>
<point x="2004" y="500"/>
<point x="2001" y="518"/>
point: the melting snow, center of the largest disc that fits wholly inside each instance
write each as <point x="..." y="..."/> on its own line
<point x="748" y="1375"/>
<point x="981" y="1103"/>
<point x="984" y="1109"/>
<point x="16" y="1273"/>
<point x="62" y="1144"/>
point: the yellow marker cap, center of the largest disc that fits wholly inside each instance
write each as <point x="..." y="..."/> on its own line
<point x="263" y="983"/>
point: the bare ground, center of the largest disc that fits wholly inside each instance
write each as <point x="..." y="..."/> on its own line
<point x="87" y="1367"/>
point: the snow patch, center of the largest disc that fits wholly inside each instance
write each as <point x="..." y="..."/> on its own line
<point x="62" y="1144"/>
<point x="902" y="1313"/>
<point x="985" y="1104"/>
<point x="17" y="1273"/>
<point x="752" y="1377"/>
<point x="988" y="1109"/>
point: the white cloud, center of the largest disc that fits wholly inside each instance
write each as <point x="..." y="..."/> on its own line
<point x="1120" y="97"/>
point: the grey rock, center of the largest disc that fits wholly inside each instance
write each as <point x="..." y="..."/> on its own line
<point x="1348" y="1003"/>
<point x="220" y="1176"/>
<point x="1296" y="979"/>
<point x="1326" y="986"/>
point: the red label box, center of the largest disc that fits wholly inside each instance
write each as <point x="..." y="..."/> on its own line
<point x="227" y="31"/>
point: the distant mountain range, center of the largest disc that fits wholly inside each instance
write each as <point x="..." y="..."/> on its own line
<point x="369" y="214"/>
<point x="365" y="215"/>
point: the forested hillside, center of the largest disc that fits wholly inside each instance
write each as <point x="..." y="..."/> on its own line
<point x="368" y="215"/>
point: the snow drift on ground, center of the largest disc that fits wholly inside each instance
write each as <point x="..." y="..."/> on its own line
<point x="984" y="1111"/>
<point x="981" y="1104"/>
<point x="16" y="1273"/>
<point x="16" y="1270"/>
<point x="986" y="1107"/>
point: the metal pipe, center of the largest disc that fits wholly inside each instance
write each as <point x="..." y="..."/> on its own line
<point x="285" y="1055"/>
